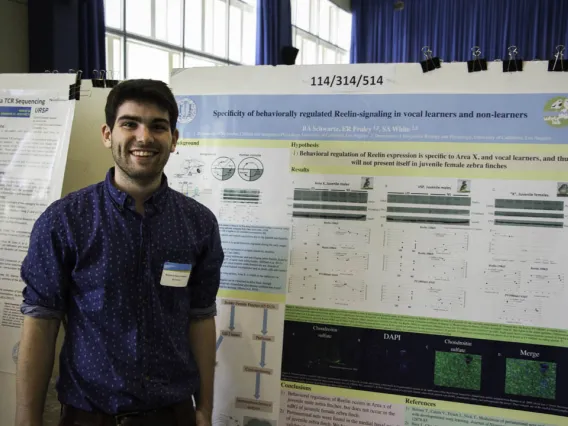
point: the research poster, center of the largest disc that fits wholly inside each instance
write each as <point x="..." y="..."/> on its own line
<point x="35" y="127"/>
<point x="394" y="256"/>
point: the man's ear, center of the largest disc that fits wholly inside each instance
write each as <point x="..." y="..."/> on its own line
<point x="106" y="133"/>
<point x="174" y="140"/>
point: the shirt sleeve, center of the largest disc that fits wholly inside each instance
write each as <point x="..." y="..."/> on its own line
<point x="206" y="277"/>
<point x="45" y="270"/>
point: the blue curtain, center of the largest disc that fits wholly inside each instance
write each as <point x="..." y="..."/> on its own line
<point x="452" y="27"/>
<point x="67" y="34"/>
<point x="274" y="30"/>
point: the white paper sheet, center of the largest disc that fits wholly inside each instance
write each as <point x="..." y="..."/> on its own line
<point x="34" y="139"/>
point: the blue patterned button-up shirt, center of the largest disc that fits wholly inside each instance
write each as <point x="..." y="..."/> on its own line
<point x="96" y="262"/>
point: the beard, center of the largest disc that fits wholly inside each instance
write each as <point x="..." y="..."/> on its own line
<point x="143" y="170"/>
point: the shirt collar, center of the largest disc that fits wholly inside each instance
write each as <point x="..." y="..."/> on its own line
<point x="123" y="200"/>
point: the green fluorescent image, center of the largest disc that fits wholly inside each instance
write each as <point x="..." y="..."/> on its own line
<point x="456" y="370"/>
<point x="530" y="378"/>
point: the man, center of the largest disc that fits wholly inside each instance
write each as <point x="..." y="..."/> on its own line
<point x="133" y="269"/>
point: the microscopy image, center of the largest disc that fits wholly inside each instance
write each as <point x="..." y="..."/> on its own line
<point x="530" y="378"/>
<point x="456" y="370"/>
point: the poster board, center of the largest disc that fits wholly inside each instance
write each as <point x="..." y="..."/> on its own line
<point x="393" y="241"/>
<point x="36" y="112"/>
<point x="252" y="351"/>
<point x="84" y="162"/>
<point x="88" y="160"/>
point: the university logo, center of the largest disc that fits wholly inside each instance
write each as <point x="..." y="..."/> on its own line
<point x="15" y="352"/>
<point x="187" y="110"/>
<point x="556" y="112"/>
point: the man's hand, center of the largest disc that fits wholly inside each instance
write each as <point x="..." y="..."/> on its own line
<point x="203" y="345"/>
<point x="202" y="418"/>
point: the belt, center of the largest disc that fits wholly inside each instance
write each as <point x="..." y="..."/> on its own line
<point x="176" y="415"/>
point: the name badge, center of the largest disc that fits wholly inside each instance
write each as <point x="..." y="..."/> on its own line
<point x="175" y="274"/>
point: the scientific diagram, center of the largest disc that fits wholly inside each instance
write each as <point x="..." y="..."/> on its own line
<point x="187" y="189"/>
<point x="226" y="420"/>
<point x="223" y="168"/>
<point x="530" y="378"/>
<point x="251" y="169"/>
<point x="247" y="345"/>
<point x="458" y="370"/>
<point x="191" y="167"/>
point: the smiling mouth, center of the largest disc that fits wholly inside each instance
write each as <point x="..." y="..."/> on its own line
<point x="139" y="153"/>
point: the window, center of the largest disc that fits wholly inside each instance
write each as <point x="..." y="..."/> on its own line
<point x="149" y="38"/>
<point x="322" y="32"/>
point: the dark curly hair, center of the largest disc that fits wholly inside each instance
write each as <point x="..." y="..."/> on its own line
<point x="141" y="90"/>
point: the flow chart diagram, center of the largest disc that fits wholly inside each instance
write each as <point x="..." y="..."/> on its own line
<point x="249" y="345"/>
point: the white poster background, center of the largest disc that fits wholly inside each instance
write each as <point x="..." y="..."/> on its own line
<point x="35" y="128"/>
<point x="323" y="80"/>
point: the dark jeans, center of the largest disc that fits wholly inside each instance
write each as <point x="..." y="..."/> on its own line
<point x="179" y="415"/>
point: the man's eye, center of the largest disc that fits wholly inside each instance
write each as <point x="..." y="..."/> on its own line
<point x="129" y="124"/>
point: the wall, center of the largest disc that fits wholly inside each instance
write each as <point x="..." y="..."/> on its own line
<point x="14" y="36"/>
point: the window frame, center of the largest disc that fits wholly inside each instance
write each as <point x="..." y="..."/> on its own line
<point x="312" y="34"/>
<point x="113" y="33"/>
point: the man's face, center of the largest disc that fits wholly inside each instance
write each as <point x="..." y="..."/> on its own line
<point x="141" y="140"/>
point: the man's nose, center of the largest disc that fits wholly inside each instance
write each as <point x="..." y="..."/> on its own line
<point x="143" y="134"/>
